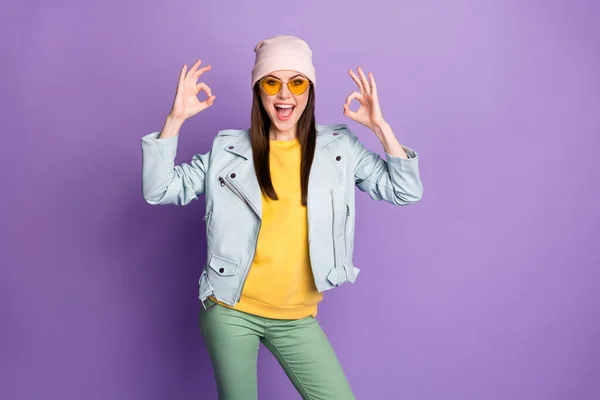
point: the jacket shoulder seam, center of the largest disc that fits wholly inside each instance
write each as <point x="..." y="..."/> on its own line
<point x="230" y="132"/>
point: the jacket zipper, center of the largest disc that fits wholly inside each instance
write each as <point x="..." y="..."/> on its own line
<point x="206" y="218"/>
<point x="225" y="182"/>
<point x="231" y="186"/>
<point x="345" y="228"/>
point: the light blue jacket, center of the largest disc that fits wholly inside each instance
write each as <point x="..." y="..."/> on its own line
<point x="226" y="176"/>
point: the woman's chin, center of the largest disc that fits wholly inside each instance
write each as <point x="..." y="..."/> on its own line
<point x="283" y="125"/>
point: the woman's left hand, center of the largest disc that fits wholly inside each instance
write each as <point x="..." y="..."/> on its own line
<point x="369" y="113"/>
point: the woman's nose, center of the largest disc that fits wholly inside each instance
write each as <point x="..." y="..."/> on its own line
<point x="284" y="92"/>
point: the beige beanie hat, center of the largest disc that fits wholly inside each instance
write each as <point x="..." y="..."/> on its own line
<point x="283" y="52"/>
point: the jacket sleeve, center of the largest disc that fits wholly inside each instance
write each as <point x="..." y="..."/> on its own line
<point x="395" y="179"/>
<point x="163" y="182"/>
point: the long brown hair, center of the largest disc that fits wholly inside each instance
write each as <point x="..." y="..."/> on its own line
<point x="259" y="138"/>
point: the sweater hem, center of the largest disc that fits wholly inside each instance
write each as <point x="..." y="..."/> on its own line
<point x="261" y="309"/>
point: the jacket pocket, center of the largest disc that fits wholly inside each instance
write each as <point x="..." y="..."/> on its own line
<point x="222" y="265"/>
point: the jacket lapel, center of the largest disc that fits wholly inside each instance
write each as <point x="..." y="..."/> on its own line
<point x="243" y="168"/>
<point x="325" y="167"/>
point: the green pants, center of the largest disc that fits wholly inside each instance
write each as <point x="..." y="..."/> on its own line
<point x="232" y="338"/>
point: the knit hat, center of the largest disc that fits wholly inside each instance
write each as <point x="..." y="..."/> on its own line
<point x="283" y="52"/>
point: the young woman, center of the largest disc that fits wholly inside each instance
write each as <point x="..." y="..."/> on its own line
<point x="279" y="214"/>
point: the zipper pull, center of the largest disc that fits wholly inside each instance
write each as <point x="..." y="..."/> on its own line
<point x="222" y="181"/>
<point x="347" y="210"/>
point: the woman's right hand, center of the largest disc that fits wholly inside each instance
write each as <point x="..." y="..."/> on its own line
<point x="186" y="103"/>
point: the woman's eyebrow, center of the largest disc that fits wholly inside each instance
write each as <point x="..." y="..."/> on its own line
<point x="280" y="79"/>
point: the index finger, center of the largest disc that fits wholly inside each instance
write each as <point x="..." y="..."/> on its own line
<point x="205" y="87"/>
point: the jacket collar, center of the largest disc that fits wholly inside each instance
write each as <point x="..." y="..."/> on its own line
<point x="324" y="169"/>
<point x="241" y="146"/>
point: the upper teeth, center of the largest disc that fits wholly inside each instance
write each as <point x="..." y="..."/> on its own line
<point x="284" y="105"/>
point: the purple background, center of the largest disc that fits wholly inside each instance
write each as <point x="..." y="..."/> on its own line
<point x="486" y="289"/>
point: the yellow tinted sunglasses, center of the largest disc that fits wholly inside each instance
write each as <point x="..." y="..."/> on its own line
<point x="272" y="86"/>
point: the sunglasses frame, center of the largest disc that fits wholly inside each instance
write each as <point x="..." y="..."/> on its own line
<point x="260" y="83"/>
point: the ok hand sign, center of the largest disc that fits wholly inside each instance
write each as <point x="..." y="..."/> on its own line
<point x="186" y="103"/>
<point x="369" y="113"/>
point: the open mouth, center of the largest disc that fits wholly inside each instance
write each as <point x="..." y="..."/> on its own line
<point x="284" y="111"/>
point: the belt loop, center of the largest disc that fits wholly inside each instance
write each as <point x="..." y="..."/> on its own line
<point x="204" y="295"/>
<point x="206" y="300"/>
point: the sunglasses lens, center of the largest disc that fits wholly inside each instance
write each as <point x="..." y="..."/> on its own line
<point x="271" y="86"/>
<point x="298" y="86"/>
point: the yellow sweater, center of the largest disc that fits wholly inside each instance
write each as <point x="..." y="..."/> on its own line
<point x="280" y="282"/>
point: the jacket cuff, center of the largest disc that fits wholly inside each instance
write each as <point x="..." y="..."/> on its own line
<point x="167" y="147"/>
<point x="152" y="139"/>
<point x="412" y="155"/>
